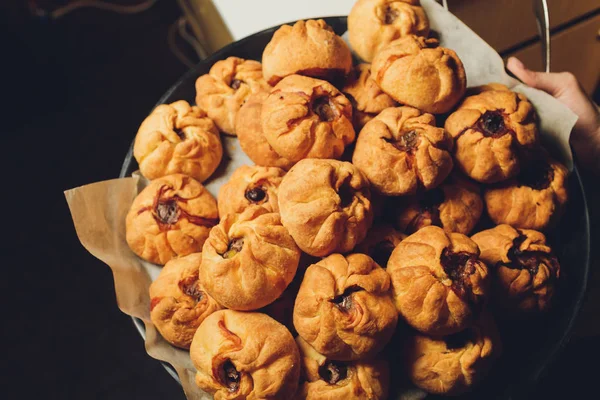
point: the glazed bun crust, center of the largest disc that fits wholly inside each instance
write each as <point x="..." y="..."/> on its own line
<point x="326" y="379"/>
<point x="525" y="269"/>
<point x="309" y="48"/>
<point x="248" y="127"/>
<point x="373" y="24"/>
<point x="325" y="205"/>
<point x="170" y="218"/>
<point x="419" y="73"/>
<point x="456" y="206"/>
<point x="401" y="151"/>
<point x="307" y="118"/>
<point x="367" y="99"/>
<point x="248" y="259"/>
<point x="249" y="186"/>
<point x="344" y="307"/>
<point x="178" y="138"/>
<point x="226" y="87"/>
<point x="438" y="281"/>
<point x="535" y="199"/>
<point x="245" y="355"/>
<point x="451" y="365"/>
<point x="490" y="130"/>
<point x="178" y="302"/>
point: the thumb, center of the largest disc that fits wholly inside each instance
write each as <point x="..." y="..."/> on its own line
<point x="551" y="83"/>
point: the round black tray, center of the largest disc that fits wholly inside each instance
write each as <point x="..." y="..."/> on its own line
<point x="529" y="346"/>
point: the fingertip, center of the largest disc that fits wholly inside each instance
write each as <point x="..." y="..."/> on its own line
<point x="514" y="63"/>
<point x="519" y="70"/>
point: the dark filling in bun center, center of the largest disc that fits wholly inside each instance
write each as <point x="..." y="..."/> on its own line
<point x="390" y="14"/>
<point x="189" y="286"/>
<point x="537" y="176"/>
<point x="344" y="301"/>
<point x="407" y="142"/>
<point x="346" y="193"/>
<point x="256" y="194"/>
<point x="230" y="376"/>
<point x="235" y="246"/>
<point x="167" y="211"/>
<point x="324" y="109"/>
<point x="332" y="372"/>
<point x="235" y="84"/>
<point x="458" y="340"/>
<point x="180" y="133"/>
<point x="530" y="260"/>
<point x="459" y="267"/>
<point x="491" y="124"/>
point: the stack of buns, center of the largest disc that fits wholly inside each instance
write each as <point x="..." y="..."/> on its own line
<point x="349" y="235"/>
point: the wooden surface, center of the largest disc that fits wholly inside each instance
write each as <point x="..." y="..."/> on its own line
<point x="507" y="23"/>
<point x="576" y="49"/>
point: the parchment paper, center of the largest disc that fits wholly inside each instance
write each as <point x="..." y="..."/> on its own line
<point x="99" y="209"/>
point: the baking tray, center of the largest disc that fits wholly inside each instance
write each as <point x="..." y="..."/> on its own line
<point x="530" y="346"/>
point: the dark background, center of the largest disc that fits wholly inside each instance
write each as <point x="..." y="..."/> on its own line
<point x="74" y="92"/>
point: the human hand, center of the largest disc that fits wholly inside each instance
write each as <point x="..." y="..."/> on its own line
<point x="563" y="86"/>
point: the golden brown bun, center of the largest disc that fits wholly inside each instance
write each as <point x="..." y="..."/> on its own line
<point x="250" y="186"/>
<point x="344" y="308"/>
<point x="308" y="48"/>
<point x="373" y="24"/>
<point x="307" y="118"/>
<point x="325" y="379"/>
<point x="438" y="281"/>
<point x="170" y="218"/>
<point x="325" y="205"/>
<point x="248" y="127"/>
<point x="401" y="150"/>
<point x="420" y="73"/>
<point x="366" y="97"/>
<point x="381" y="240"/>
<point x="453" y="364"/>
<point x="456" y="206"/>
<point x="248" y="260"/>
<point x="178" y="302"/>
<point x="245" y="355"/>
<point x="535" y="199"/>
<point x="178" y="138"/>
<point x="226" y="87"/>
<point x="524" y="267"/>
<point x="489" y="130"/>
